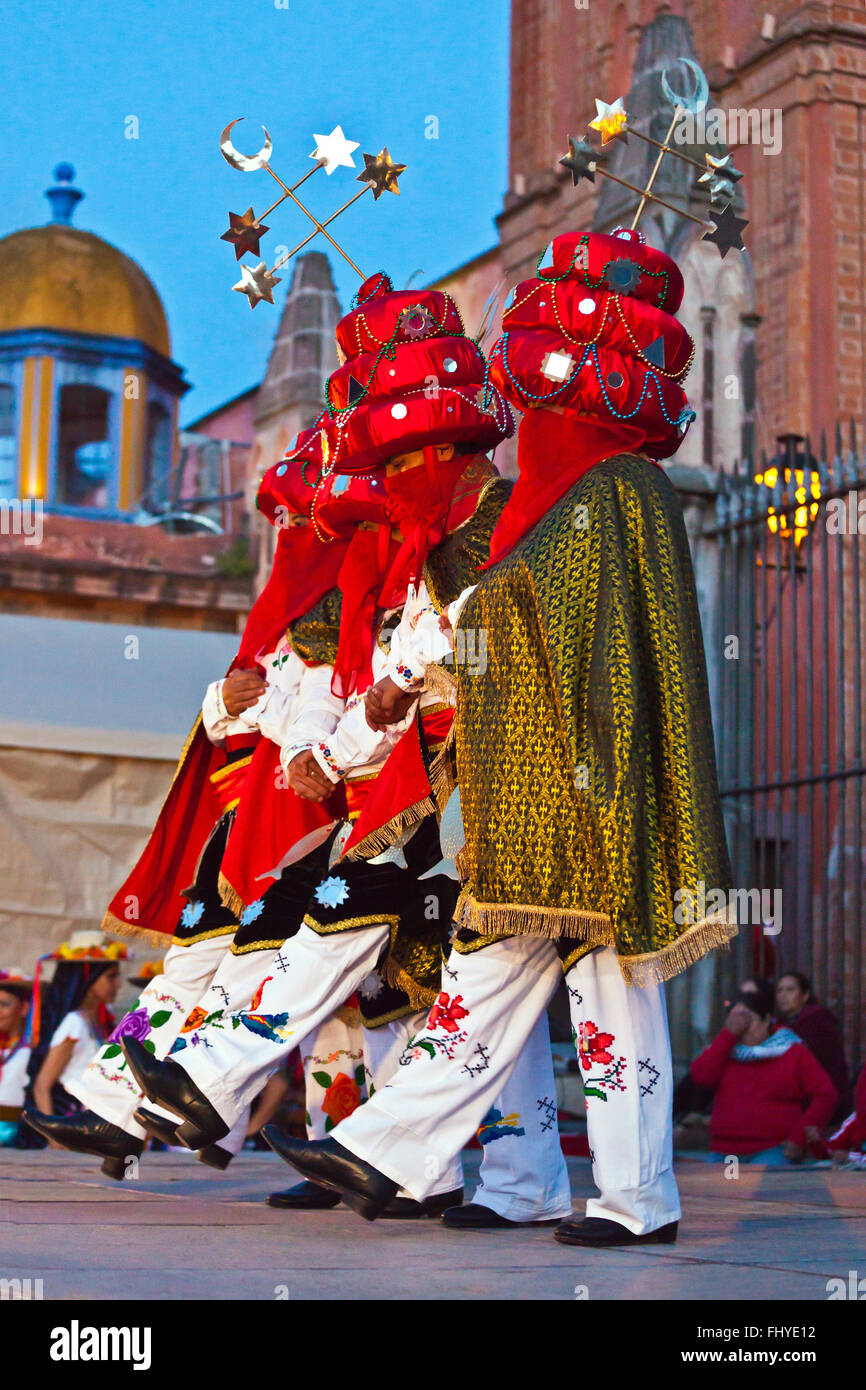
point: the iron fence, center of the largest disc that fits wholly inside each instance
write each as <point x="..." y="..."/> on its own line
<point x="792" y="590"/>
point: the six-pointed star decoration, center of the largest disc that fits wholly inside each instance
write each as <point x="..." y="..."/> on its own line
<point x="582" y="160"/>
<point x="610" y="120"/>
<point x="381" y="173"/>
<point x="334" y="150"/>
<point x="728" y="232"/>
<point x="723" y="167"/>
<point x="257" y="283"/>
<point x="244" y="233"/>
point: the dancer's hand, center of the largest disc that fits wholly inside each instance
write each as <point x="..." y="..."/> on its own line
<point x="738" y="1020"/>
<point x="307" y="779"/>
<point x="793" y="1152"/>
<point x="387" y="703"/>
<point x="445" y="626"/>
<point x="241" y="689"/>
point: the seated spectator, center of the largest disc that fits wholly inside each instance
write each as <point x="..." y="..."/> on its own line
<point x="692" y="1103"/>
<point x="772" y="1096"/>
<point x="848" y="1145"/>
<point x="73" y="1017"/>
<point x="15" y="990"/>
<point x="797" y="1007"/>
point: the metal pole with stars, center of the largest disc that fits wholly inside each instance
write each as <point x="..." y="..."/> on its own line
<point x="245" y="231"/>
<point x="586" y="156"/>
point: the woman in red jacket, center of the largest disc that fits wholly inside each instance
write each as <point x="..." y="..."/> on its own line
<point x="818" y="1028"/>
<point x="772" y="1096"/>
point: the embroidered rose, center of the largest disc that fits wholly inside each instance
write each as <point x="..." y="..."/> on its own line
<point x="445" y="1013"/>
<point x="194" y="1020"/>
<point x="341" y="1098"/>
<point x="134" y="1025"/>
<point x="592" y="1046"/>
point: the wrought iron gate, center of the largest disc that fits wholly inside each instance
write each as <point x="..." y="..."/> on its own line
<point x="792" y="588"/>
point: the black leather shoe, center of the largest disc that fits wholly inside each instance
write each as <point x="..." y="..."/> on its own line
<point x="598" y="1231"/>
<point x="165" y="1130"/>
<point x="407" y="1209"/>
<point x="361" y="1186"/>
<point x="215" y="1156"/>
<point x="158" y="1126"/>
<point x="88" y="1133"/>
<point x="475" y="1217"/>
<point x="305" y="1196"/>
<point x="168" y="1084"/>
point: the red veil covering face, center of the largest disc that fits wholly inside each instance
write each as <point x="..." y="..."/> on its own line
<point x="151" y="899"/>
<point x="410" y="380"/>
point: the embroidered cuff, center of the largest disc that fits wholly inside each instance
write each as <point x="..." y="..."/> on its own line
<point x="404" y="676"/>
<point x="327" y="762"/>
<point x="218" y="697"/>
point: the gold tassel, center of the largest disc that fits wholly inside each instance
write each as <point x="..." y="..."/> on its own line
<point x="348" y="1014"/>
<point x="230" y="897"/>
<point x="594" y="928"/>
<point x="393" y="974"/>
<point x="113" y="926"/>
<point x="439" y="680"/>
<point x="654" y="967"/>
<point x="524" y="919"/>
<point x="392" y="832"/>
<point x="443" y="775"/>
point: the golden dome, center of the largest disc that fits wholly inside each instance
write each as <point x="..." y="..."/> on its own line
<point x="59" y="277"/>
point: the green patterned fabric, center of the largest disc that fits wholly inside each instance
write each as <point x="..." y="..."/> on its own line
<point x="314" y="637"/>
<point x="585" y="752"/>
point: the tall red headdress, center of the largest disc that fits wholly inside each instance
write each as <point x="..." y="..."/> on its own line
<point x="410" y="380"/>
<point x="591" y="352"/>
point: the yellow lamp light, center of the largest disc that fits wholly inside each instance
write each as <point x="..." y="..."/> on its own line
<point x="807" y="485"/>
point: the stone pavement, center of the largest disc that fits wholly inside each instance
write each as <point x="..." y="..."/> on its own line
<point x="184" y="1231"/>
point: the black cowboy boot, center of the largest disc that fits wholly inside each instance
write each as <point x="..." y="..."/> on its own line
<point x="168" y="1084"/>
<point x="305" y="1196"/>
<point x="600" y="1232"/>
<point x="361" y="1186"/>
<point x="88" y="1133"/>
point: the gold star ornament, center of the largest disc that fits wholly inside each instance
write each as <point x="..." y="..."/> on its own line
<point x="244" y="233"/>
<point x="381" y="173"/>
<point x="257" y="283"/>
<point x="610" y="120"/>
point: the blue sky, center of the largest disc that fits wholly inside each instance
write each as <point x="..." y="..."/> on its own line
<point x="74" y="73"/>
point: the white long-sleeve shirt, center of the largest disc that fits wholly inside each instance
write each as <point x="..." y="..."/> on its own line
<point x="419" y="640"/>
<point x="354" y="749"/>
<point x="297" y="707"/>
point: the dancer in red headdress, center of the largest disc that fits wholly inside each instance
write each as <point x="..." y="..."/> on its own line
<point x="584" y="756"/>
<point x="409" y="416"/>
<point x="217" y="952"/>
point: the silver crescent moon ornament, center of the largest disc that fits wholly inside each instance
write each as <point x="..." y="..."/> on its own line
<point x="699" y="97"/>
<point x="246" y="163"/>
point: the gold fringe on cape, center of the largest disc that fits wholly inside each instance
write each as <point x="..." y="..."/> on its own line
<point x="393" y="974"/>
<point x="595" y="929"/>
<point x="442" y="783"/>
<point x="349" y="1014"/>
<point x="230" y="897"/>
<point x="654" y="967"/>
<point x="441" y="681"/>
<point x="113" y="926"/>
